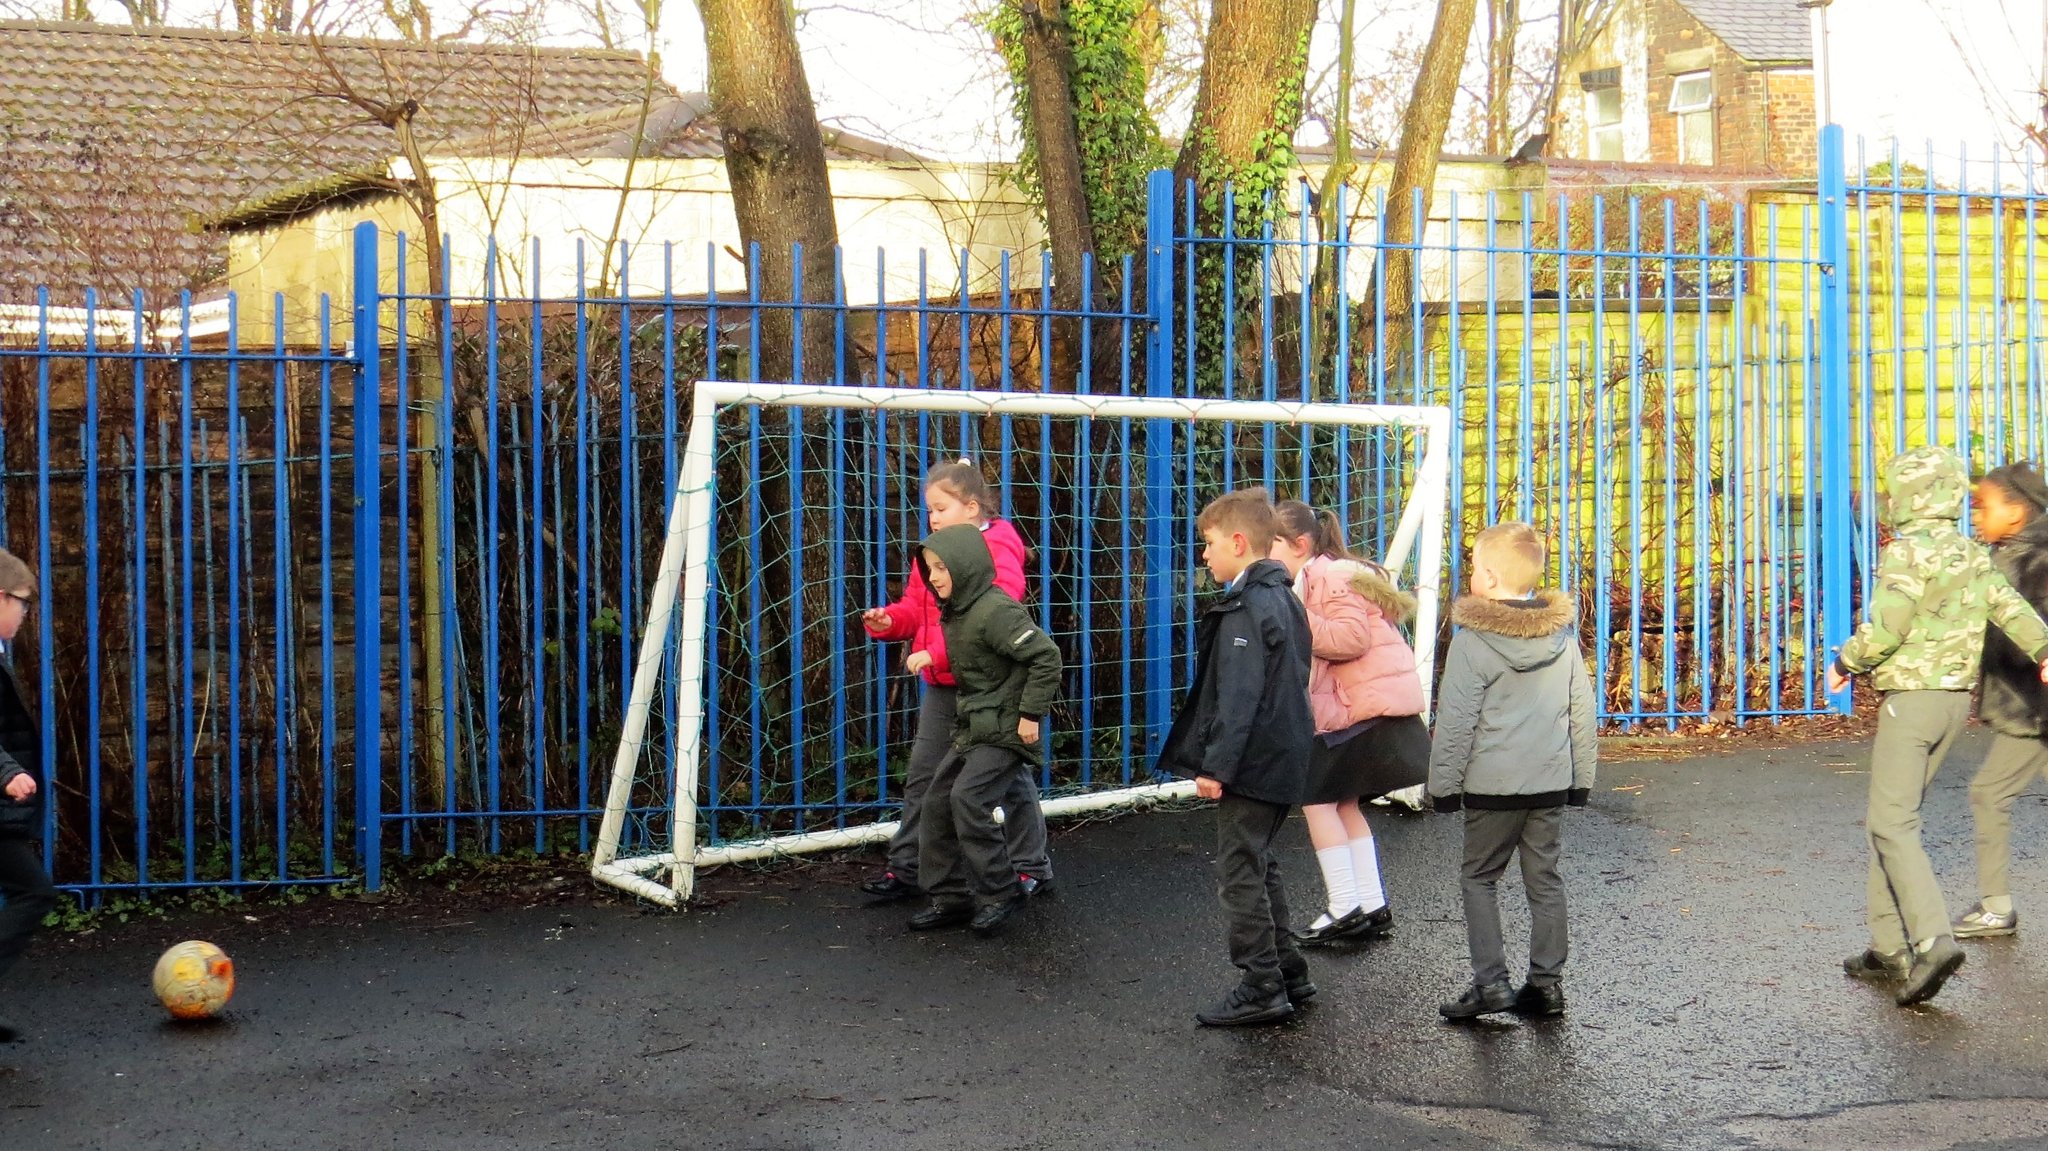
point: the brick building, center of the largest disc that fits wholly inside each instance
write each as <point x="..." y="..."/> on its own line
<point x="1716" y="83"/>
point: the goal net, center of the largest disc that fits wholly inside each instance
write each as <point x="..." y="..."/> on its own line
<point x="762" y="719"/>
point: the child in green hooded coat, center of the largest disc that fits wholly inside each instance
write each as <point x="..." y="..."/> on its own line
<point x="1008" y="673"/>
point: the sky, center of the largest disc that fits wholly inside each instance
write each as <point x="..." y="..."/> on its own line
<point x="1959" y="73"/>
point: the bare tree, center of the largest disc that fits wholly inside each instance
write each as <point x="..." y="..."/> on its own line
<point x="775" y="162"/>
<point x="1423" y="127"/>
<point x="1579" y="23"/>
<point x="1325" y="301"/>
<point x="1047" y="97"/>
<point x="1503" y="21"/>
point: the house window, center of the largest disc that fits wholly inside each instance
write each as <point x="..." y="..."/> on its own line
<point x="1603" y="122"/>
<point x="1692" y="106"/>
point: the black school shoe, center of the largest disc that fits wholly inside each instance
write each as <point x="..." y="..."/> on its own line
<point x="1248" y="1005"/>
<point x="1354" y="926"/>
<point x="1299" y="989"/>
<point x="990" y="917"/>
<point x="1479" y="999"/>
<point x="1337" y="929"/>
<point x="8" y="1032"/>
<point x="1930" y="970"/>
<point x="1877" y="966"/>
<point x="888" y="888"/>
<point x="939" y="915"/>
<point x="1540" y="1001"/>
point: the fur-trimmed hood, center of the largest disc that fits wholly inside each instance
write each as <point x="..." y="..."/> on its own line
<point x="1527" y="633"/>
<point x="1372" y="581"/>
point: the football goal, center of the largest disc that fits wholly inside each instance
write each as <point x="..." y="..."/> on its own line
<point x="762" y="719"/>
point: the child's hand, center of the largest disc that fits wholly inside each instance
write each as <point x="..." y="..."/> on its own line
<point x="2044" y="671"/>
<point x="21" y="788"/>
<point x="1837" y="681"/>
<point x="918" y="661"/>
<point x="1027" y="730"/>
<point x="875" y="619"/>
<point x="1208" y="788"/>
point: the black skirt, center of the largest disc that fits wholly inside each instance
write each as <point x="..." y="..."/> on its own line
<point x="1368" y="760"/>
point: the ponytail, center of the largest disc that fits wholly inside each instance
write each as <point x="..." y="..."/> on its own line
<point x="1297" y="519"/>
<point x="963" y="480"/>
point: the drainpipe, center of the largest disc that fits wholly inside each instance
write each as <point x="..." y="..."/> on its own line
<point x="1823" y="75"/>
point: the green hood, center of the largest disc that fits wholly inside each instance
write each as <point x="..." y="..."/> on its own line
<point x="967" y="557"/>
<point x="1925" y="485"/>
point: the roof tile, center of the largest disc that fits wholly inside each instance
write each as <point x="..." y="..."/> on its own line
<point x="1760" y="31"/>
<point x="112" y="138"/>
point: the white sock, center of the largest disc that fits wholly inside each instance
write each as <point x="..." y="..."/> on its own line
<point x="1998" y="904"/>
<point x="1365" y="873"/>
<point x="1336" y="865"/>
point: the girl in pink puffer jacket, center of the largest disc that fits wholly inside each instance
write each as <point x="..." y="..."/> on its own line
<point x="1366" y="695"/>
<point x="954" y="493"/>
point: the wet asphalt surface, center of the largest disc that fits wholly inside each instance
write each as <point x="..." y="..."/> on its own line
<point x="1711" y="903"/>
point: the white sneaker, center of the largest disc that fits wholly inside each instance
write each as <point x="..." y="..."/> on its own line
<point x="1979" y="923"/>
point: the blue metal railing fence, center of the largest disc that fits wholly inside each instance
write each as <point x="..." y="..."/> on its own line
<point x="373" y="585"/>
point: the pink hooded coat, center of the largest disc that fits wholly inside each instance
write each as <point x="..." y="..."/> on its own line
<point x="1363" y="669"/>
<point x="915" y="616"/>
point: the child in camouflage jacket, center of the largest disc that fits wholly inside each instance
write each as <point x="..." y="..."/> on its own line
<point x="1936" y="592"/>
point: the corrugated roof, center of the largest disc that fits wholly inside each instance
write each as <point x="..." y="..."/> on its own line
<point x="1760" y="31"/>
<point x="112" y="139"/>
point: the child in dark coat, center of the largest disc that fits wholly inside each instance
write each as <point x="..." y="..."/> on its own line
<point x="23" y="883"/>
<point x="1008" y="673"/>
<point x="1243" y="736"/>
<point x="2010" y="513"/>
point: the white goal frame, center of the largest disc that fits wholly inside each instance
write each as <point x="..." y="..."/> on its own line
<point x="685" y="566"/>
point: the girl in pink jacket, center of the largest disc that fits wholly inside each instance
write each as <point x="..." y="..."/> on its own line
<point x="1366" y="696"/>
<point x="954" y="493"/>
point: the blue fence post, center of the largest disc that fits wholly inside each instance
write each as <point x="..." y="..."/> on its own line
<point x="1159" y="523"/>
<point x="1837" y="530"/>
<point x="368" y="445"/>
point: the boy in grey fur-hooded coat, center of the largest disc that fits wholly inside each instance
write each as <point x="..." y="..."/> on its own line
<point x="1515" y="725"/>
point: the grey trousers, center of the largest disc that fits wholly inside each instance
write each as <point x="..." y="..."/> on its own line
<point x="2013" y="765"/>
<point x="28" y="897"/>
<point x="1248" y="885"/>
<point x="962" y="853"/>
<point x="1491" y="839"/>
<point x="1915" y="731"/>
<point x="1023" y="821"/>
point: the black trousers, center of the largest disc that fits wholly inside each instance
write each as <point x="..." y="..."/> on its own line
<point x="962" y="853"/>
<point x="29" y="894"/>
<point x="1248" y="885"/>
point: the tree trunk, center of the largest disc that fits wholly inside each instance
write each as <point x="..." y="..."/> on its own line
<point x="782" y="197"/>
<point x="1247" y="106"/>
<point x="431" y="393"/>
<point x="775" y="160"/>
<point x="1048" y="52"/>
<point x="1503" y="20"/>
<point x="1422" y="140"/>
<point x="1254" y="61"/>
<point x="1326" y="304"/>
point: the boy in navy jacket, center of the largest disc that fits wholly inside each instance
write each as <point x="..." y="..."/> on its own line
<point x="1243" y="736"/>
<point x="23" y="882"/>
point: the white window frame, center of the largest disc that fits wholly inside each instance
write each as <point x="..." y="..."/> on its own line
<point x="1694" y="116"/>
<point x="1604" y="137"/>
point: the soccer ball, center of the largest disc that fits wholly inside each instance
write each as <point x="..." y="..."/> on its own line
<point x="194" y="980"/>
